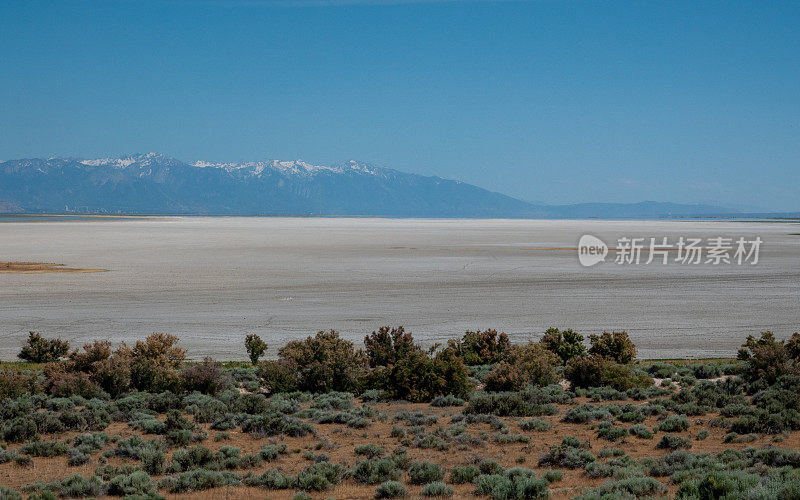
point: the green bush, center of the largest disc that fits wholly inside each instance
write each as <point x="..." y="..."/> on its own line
<point x="615" y="346"/>
<point x="522" y="366"/>
<point x="44" y="448"/>
<point x="673" y="442"/>
<point x="437" y="489"/>
<point x="271" y="480"/>
<point x="448" y="400"/>
<point x="9" y="494"/>
<point x="370" y="450"/>
<point x="136" y="483"/>
<point x="534" y="424"/>
<point x="403" y="370"/>
<point x="461" y="474"/>
<point x="570" y="454"/>
<point x="530" y="402"/>
<point x="566" y="345"/>
<point x="424" y="472"/>
<point x="597" y="371"/>
<point x="768" y="359"/>
<point x="606" y="430"/>
<point x="41" y="350"/>
<point x="641" y="431"/>
<point x="199" y="479"/>
<point x="324" y="363"/>
<point x="320" y="476"/>
<point x="391" y="489"/>
<point x="673" y="423"/>
<point x="374" y="471"/>
<point x="481" y="347"/>
<point x="255" y="347"/>
<point x="278" y="376"/>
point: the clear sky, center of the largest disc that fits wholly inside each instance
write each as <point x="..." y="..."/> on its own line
<point x="550" y="101"/>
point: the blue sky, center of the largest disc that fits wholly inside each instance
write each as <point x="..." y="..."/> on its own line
<point x="550" y="101"/>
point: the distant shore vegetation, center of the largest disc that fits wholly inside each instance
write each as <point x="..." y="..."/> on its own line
<point x="567" y="416"/>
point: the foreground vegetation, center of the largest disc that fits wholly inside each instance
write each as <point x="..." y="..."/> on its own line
<point x="477" y="417"/>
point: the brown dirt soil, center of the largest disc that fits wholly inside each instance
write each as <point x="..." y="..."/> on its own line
<point x="7" y="267"/>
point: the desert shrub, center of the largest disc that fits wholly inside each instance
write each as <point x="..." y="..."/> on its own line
<point x="110" y="370"/>
<point x="534" y="424"/>
<point x="566" y="345"/>
<point x="598" y="469"/>
<point x="448" y="400"/>
<point x="571" y="454"/>
<point x="197" y="457"/>
<point x="255" y="347"/>
<point x="273" y="424"/>
<point x="641" y="431"/>
<point x="516" y="483"/>
<point x="529" y="402"/>
<point x="768" y="359"/>
<point x="606" y="430"/>
<point x="73" y="486"/>
<point x="390" y="489"/>
<point x="615" y="346"/>
<point x="415" y="418"/>
<point x="155" y="362"/>
<point x="501" y="438"/>
<point x="61" y="382"/>
<point x="673" y="423"/>
<point x="369" y="450"/>
<point x="553" y="476"/>
<point x="320" y="476"/>
<point x="374" y="471"/>
<point x="199" y="479"/>
<point x="719" y="484"/>
<point x="388" y="346"/>
<point x="137" y="483"/>
<point x="481" y="347"/>
<point x="41" y="350"/>
<point x="437" y="489"/>
<point x="522" y="366"/>
<point x="76" y="457"/>
<point x="583" y="414"/>
<point x="597" y="371"/>
<point x="424" y="472"/>
<point x="206" y="377"/>
<point x="431" y="441"/>
<point x="9" y="494"/>
<point x="633" y="487"/>
<point x="404" y="371"/>
<point x="7" y="455"/>
<point x="495" y="485"/>
<point x="333" y="400"/>
<point x="461" y="474"/>
<point x="325" y="363"/>
<point x="271" y="479"/>
<point x="14" y="384"/>
<point x="44" y="448"/>
<point x="19" y="429"/>
<point x="673" y="442"/>
<point x="603" y="393"/>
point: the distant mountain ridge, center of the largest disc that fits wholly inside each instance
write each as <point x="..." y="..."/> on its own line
<point x="154" y="183"/>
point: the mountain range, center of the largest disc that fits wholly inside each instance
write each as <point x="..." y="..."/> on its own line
<point x="157" y="184"/>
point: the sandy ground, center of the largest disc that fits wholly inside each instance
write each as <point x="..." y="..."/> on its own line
<point x="211" y="281"/>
